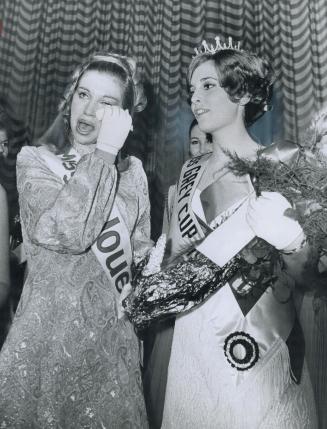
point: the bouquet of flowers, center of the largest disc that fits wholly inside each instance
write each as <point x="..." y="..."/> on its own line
<point x="160" y="293"/>
<point x="299" y="173"/>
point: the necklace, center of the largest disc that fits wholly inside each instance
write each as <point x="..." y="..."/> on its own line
<point x="83" y="149"/>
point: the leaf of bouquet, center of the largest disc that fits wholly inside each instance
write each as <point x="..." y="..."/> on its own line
<point x="303" y="182"/>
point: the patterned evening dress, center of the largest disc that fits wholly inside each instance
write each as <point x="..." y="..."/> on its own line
<point x="69" y="361"/>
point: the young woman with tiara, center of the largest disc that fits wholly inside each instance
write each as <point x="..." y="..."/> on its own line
<point x="237" y="357"/>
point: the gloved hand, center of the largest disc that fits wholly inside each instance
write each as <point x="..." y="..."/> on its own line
<point x="266" y="217"/>
<point x="116" y="123"/>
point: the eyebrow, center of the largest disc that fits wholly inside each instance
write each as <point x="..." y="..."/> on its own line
<point x="83" y="87"/>
<point x="205" y="78"/>
<point x="209" y="77"/>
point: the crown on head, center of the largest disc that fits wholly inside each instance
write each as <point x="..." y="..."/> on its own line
<point x="211" y="49"/>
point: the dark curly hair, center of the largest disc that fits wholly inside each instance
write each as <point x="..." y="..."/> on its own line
<point x="241" y="73"/>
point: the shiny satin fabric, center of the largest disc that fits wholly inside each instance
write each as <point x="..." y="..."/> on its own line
<point x="285" y="151"/>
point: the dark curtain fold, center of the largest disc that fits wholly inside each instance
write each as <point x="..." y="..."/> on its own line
<point x="42" y="41"/>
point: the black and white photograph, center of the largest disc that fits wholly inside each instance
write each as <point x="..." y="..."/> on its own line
<point x="163" y="214"/>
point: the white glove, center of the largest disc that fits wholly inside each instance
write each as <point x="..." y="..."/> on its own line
<point x="116" y="123"/>
<point x="266" y="217"/>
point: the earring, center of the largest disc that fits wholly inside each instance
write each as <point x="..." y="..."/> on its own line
<point x="244" y="100"/>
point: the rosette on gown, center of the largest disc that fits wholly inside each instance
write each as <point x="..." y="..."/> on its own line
<point x="230" y="364"/>
<point x="237" y="358"/>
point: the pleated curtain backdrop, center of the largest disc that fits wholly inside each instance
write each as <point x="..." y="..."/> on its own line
<point x="43" y="40"/>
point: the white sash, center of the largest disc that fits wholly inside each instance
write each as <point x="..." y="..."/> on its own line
<point x="235" y="225"/>
<point x="220" y="246"/>
<point x="113" y="246"/>
<point x="185" y="228"/>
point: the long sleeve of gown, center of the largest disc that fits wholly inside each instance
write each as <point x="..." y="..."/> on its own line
<point x="67" y="217"/>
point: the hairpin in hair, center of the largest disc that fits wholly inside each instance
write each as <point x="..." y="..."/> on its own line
<point x="211" y="49"/>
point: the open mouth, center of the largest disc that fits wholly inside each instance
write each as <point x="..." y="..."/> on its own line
<point x="84" y="127"/>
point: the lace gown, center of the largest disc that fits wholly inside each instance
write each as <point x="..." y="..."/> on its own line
<point x="230" y="369"/>
<point x="68" y="361"/>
